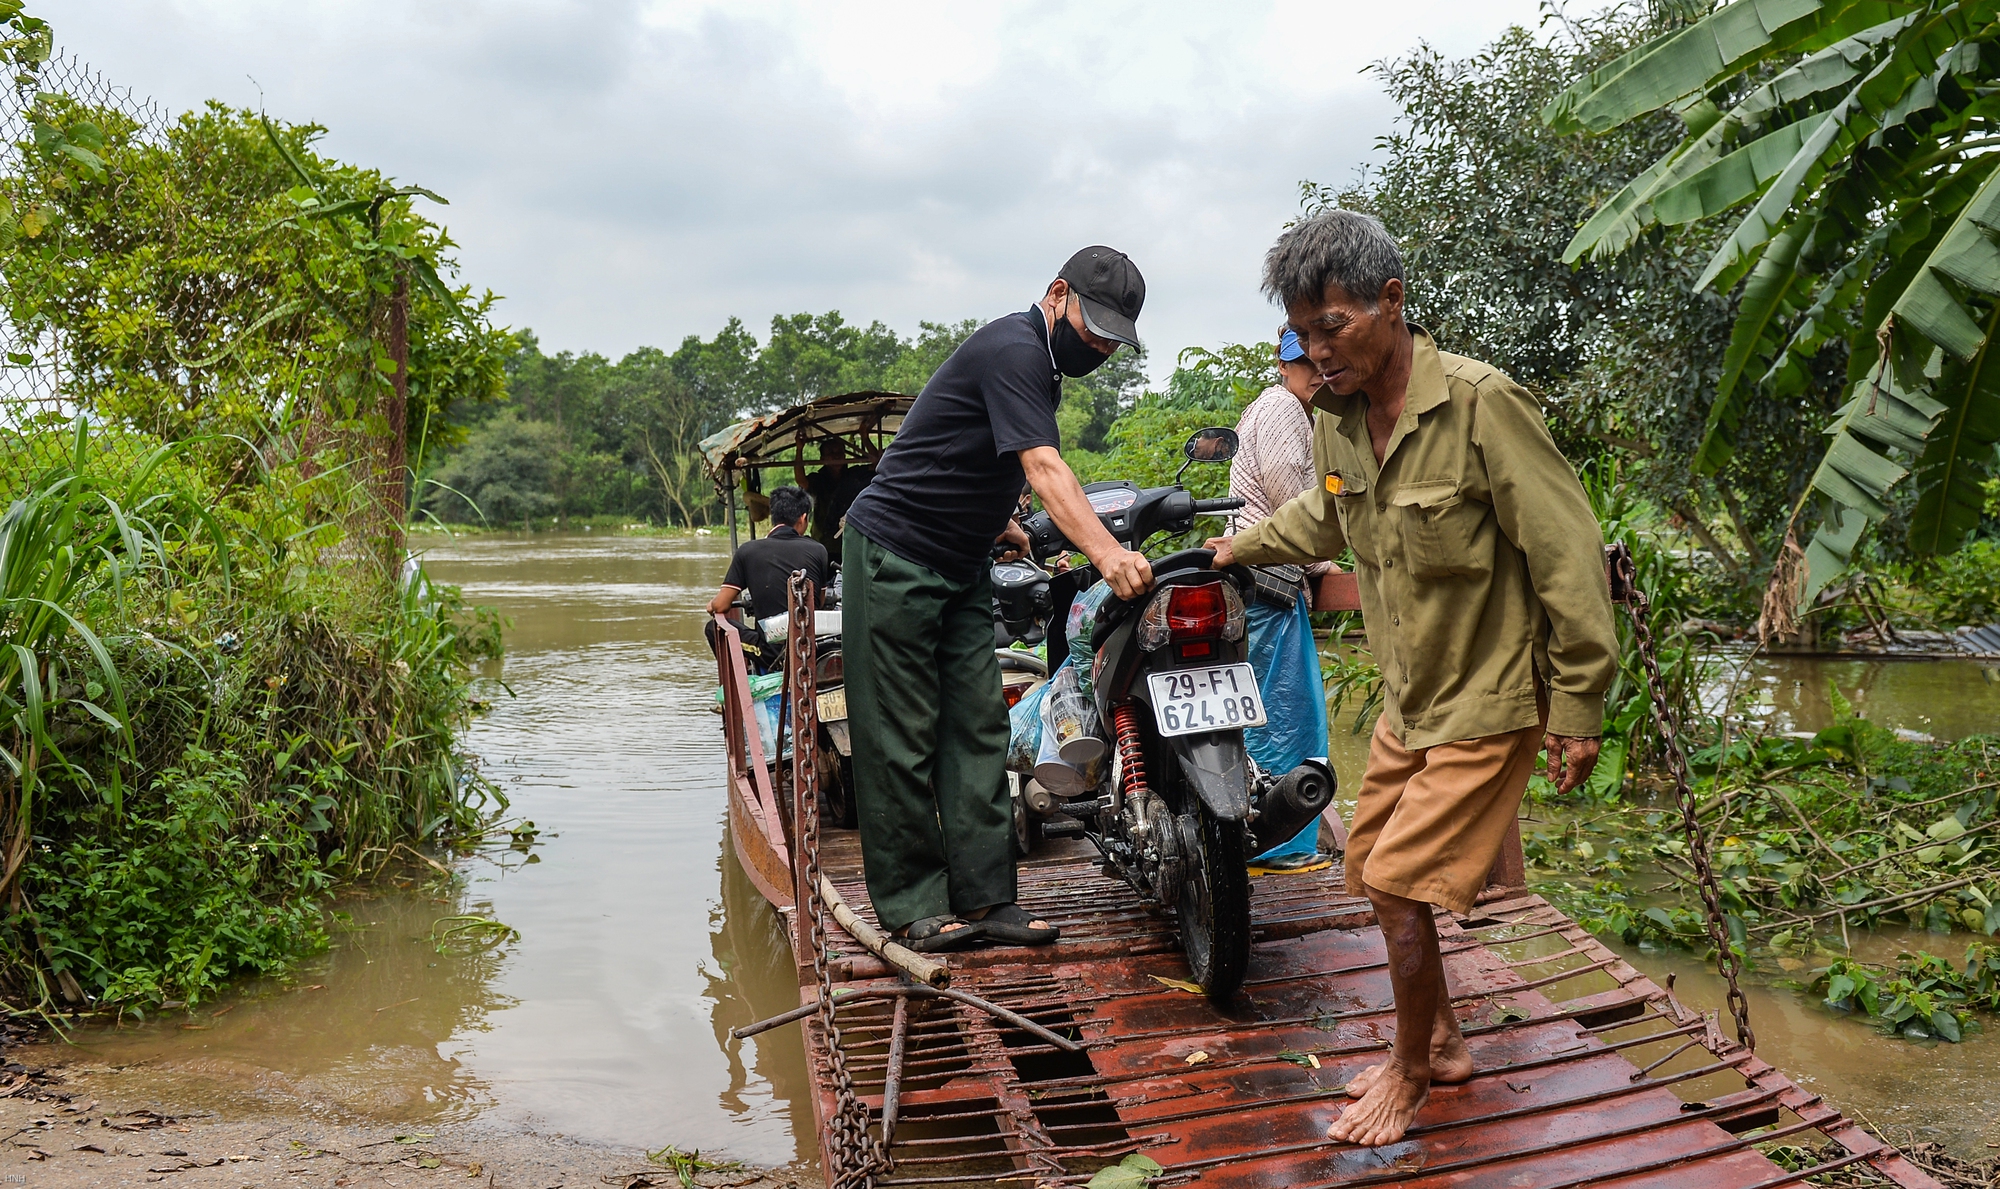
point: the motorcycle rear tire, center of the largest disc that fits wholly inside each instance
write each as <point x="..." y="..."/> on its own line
<point x="1214" y="907"/>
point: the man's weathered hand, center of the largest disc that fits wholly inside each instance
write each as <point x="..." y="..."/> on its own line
<point x="1129" y="573"/>
<point x="1571" y="759"/>
<point x="1225" y="551"/>
<point x="1015" y="539"/>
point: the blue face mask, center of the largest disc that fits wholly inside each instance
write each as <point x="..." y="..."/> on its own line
<point x="1073" y="356"/>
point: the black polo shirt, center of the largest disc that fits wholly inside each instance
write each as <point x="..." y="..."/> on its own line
<point x="764" y="566"/>
<point x="946" y="486"/>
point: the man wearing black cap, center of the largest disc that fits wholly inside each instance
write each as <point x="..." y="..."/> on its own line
<point x="923" y="689"/>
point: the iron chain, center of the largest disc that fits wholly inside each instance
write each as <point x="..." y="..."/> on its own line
<point x="1639" y="609"/>
<point x="853" y="1155"/>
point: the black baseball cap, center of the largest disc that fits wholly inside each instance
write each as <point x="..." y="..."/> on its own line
<point x="1111" y="292"/>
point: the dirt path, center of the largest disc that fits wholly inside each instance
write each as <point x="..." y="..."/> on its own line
<point x="71" y="1125"/>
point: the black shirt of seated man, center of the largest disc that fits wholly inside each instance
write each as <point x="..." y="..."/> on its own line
<point x="764" y="566"/>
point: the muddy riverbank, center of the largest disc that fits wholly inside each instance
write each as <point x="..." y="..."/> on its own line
<point x="602" y="1031"/>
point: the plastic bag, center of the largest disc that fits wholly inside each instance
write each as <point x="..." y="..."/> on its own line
<point x="1024" y="731"/>
<point x="1082" y="625"/>
<point x="1287" y="666"/>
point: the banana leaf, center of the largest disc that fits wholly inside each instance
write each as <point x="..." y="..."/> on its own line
<point x="1958" y="454"/>
<point x="1757" y="326"/>
<point x="1620" y="219"/>
<point x="1697" y="58"/>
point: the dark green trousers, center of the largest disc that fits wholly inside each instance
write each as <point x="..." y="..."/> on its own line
<point x="930" y="736"/>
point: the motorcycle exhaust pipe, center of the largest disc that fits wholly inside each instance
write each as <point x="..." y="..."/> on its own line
<point x="1294" y="799"/>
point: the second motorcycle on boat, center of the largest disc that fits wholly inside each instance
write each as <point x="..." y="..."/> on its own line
<point x="1142" y="747"/>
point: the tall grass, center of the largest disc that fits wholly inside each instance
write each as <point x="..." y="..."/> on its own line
<point x="210" y="720"/>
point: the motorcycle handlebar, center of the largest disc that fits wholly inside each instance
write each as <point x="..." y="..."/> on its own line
<point x="1205" y="507"/>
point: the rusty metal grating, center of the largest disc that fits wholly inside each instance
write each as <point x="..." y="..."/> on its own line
<point x="1588" y="1072"/>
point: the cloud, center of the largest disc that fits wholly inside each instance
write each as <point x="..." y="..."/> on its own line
<point x="628" y="173"/>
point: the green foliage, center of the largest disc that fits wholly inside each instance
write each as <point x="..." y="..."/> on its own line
<point x="1622" y="351"/>
<point x="1852" y="829"/>
<point x="1093" y="403"/>
<point x="1958" y="588"/>
<point x="1856" y="133"/>
<point x="233" y="719"/>
<point x="1133" y="1172"/>
<point x="580" y="436"/>
<point x="228" y="276"/>
<point x="1352" y="678"/>
<point x="54" y="542"/>
<point x="687" y="1165"/>
<point x="1922" y="996"/>
<point x="178" y="899"/>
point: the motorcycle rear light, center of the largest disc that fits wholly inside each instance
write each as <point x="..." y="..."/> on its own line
<point x="829" y="669"/>
<point x="1195" y="612"/>
<point x="1014" y="685"/>
<point x="1196" y="649"/>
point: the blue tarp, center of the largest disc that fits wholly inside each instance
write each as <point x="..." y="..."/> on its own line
<point x="1287" y="666"/>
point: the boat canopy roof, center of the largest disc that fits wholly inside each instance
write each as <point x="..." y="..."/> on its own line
<point x="864" y="421"/>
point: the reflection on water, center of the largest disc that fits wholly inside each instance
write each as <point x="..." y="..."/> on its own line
<point x="1946" y="699"/>
<point x="1944" y="1092"/>
<point x="357" y="1033"/>
<point x="641" y="941"/>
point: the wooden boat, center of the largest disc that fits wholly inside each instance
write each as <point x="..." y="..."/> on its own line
<point x="1588" y="1072"/>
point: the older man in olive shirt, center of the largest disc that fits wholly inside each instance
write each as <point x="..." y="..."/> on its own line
<point x="1482" y="583"/>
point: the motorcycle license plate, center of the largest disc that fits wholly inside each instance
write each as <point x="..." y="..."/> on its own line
<point x="1222" y="698"/>
<point x="833" y="705"/>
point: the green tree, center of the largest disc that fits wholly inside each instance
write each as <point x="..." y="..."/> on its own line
<point x="813" y="355"/>
<point x="659" y="421"/>
<point x="1854" y="136"/>
<point x="228" y="277"/>
<point x="933" y="345"/>
<point x="1483" y="195"/>
<point x="1092" y="403"/>
<point x="506" y="473"/>
<point x="722" y="371"/>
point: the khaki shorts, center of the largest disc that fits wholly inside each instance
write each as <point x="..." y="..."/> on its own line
<point x="1429" y="824"/>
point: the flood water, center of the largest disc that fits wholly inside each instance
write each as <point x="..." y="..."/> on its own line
<point x="642" y="943"/>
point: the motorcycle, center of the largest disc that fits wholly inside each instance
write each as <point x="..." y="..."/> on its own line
<point x="1180" y="804"/>
<point x="836" y="748"/>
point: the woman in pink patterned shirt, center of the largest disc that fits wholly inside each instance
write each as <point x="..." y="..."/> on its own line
<point x="1274" y="463"/>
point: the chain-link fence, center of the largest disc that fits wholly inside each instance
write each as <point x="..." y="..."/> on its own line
<point x="45" y="378"/>
<point x="33" y="400"/>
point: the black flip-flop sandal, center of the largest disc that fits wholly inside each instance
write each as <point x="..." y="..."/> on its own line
<point x="1010" y="925"/>
<point x="929" y="935"/>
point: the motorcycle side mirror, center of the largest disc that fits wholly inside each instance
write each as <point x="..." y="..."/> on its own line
<point x="1213" y="444"/>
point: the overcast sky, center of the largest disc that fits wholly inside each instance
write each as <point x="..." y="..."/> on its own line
<point x="628" y="173"/>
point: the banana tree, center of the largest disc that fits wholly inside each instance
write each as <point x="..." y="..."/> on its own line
<point x="1854" y="142"/>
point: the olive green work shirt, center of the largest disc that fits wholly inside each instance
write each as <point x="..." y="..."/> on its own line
<point x="1480" y="563"/>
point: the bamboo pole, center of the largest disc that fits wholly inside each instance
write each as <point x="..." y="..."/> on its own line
<point x="928" y="971"/>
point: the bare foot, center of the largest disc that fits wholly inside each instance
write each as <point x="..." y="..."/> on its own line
<point x="1451" y="1063"/>
<point x="1385" y="1112"/>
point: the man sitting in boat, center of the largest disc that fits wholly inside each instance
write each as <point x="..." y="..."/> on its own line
<point x="1273" y="463"/>
<point x="925" y="712"/>
<point x="763" y="567"/>
<point x="1481" y="570"/>
<point x="832" y="487"/>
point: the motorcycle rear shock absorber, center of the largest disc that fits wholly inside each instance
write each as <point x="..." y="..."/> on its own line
<point x="1131" y="752"/>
